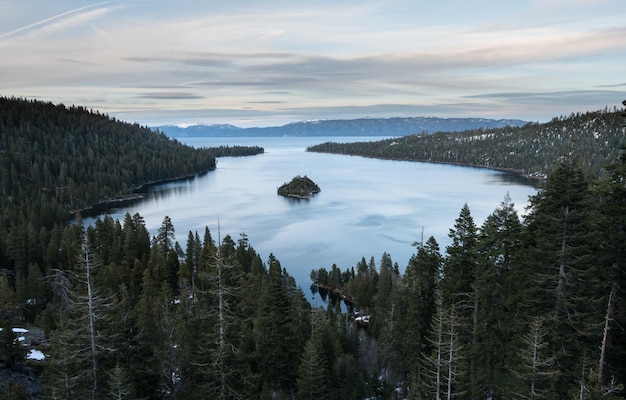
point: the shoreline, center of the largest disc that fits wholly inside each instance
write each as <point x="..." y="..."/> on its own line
<point x="135" y="194"/>
<point x="535" y="181"/>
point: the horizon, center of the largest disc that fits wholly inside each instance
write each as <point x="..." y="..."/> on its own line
<point x="185" y="125"/>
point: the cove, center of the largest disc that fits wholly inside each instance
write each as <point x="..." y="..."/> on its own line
<point x="366" y="206"/>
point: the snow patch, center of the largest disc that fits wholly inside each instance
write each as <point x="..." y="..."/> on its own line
<point x="17" y="330"/>
<point x="186" y="125"/>
<point x="35" y="355"/>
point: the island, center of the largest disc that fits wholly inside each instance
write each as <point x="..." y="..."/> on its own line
<point x="301" y="187"/>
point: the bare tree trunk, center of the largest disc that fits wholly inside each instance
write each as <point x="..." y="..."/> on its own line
<point x="222" y="318"/>
<point x="92" y="323"/>
<point x="439" y="354"/>
<point x="451" y="352"/>
<point x="562" y="272"/>
<point x="606" y="336"/>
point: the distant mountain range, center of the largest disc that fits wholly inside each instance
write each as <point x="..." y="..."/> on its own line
<point x="351" y="127"/>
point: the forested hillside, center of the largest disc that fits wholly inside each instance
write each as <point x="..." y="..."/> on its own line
<point x="68" y="158"/>
<point x="531" y="150"/>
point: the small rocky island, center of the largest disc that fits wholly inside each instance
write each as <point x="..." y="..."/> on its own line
<point x="301" y="187"/>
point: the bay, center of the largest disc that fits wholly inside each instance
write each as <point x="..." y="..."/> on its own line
<point x="366" y="206"/>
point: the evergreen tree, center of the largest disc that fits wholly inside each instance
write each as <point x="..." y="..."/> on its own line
<point x="192" y="257"/>
<point x="459" y="288"/>
<point x="15" y="391"/>
<point x="416" y="307"/>
<point x="444" y="370"/>
<point x="73" y="369"/>
<point x="223" y="373"/>
<point x="276" y="344"/>
<point x="499" y="242"/>
<point x="567" y="293"/>
<point x="7" y="300"/>
<point x="386" y="285"/>
<point x="119" y="386"/>
<point x="166" y="236"/>
<point x="533" y="375"/>
<point x="311" y="381"/>
<point x="158" y="323"/>
<point x="460" y="265"/>
<point x="612" y="192"/>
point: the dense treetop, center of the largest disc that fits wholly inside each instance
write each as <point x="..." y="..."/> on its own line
<point x="75" y="157"/>
<point x="300" y="187"/>
<point x="531" y="150"/>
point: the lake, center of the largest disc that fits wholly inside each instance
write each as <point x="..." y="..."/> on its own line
<point x="366" y="206"/>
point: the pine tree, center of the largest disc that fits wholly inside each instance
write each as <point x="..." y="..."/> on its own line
<point x="277" y="355"/>
<point x="499" y="242"/>
<point x="223" y="374"/>
<point x="561" y="233"/>
<point x="15" y="391"/>
<point x="119" y="386"/>
<point x="612" y="192"/>
<point x="537" y="368"/>
<point x="73" y="369"/>
<point x="7" y="300"/>
<point x="383" y="314"/>
<point x="459" y="268"/>
<point x="416" y="306"/>
<point x="166" y="236"/>
<point x="157" y="318"/>
<point x="192" y="257"/>
<point x="311" y="381"/>
<point x="459" y="288"/>
<point x="444" y="369"/>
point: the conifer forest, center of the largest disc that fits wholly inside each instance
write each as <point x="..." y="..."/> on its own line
<point x="530" y="307"/>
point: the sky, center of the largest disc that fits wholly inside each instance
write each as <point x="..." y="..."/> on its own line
<point x="268" y="63"/>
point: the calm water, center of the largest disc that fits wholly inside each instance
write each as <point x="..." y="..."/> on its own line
<point x="366" y="206"/>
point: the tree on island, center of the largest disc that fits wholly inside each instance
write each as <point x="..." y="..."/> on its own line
<point x="301" y="187"/>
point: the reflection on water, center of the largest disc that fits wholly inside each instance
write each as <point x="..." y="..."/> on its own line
<point x="366" y="206"/>
<point x="506" y="178"/>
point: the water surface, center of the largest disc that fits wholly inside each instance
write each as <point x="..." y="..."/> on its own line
<point x="366" y="206"/>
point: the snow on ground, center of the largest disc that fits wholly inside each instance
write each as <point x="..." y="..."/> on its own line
<point x="17" y="330"/>
<point x="35" y="355"/>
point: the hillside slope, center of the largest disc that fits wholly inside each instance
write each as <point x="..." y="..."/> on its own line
<point x="531" y="150"/>
<point x="67" y="158"/>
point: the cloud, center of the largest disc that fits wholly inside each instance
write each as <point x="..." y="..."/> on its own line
<point x="552" y="97"/>
<point x="168" y="96"/>
<point x="65" y="20"/>
<point x="612" y="85"/>
<point x="279" y="59"/>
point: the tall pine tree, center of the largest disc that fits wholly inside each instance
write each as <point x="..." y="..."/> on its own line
<point x="565" y="290"/>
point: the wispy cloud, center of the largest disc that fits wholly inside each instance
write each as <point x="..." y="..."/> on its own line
<point x="613" y="85"/>
<point x="168" y="96"/>
<point x="60" y="21"/>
